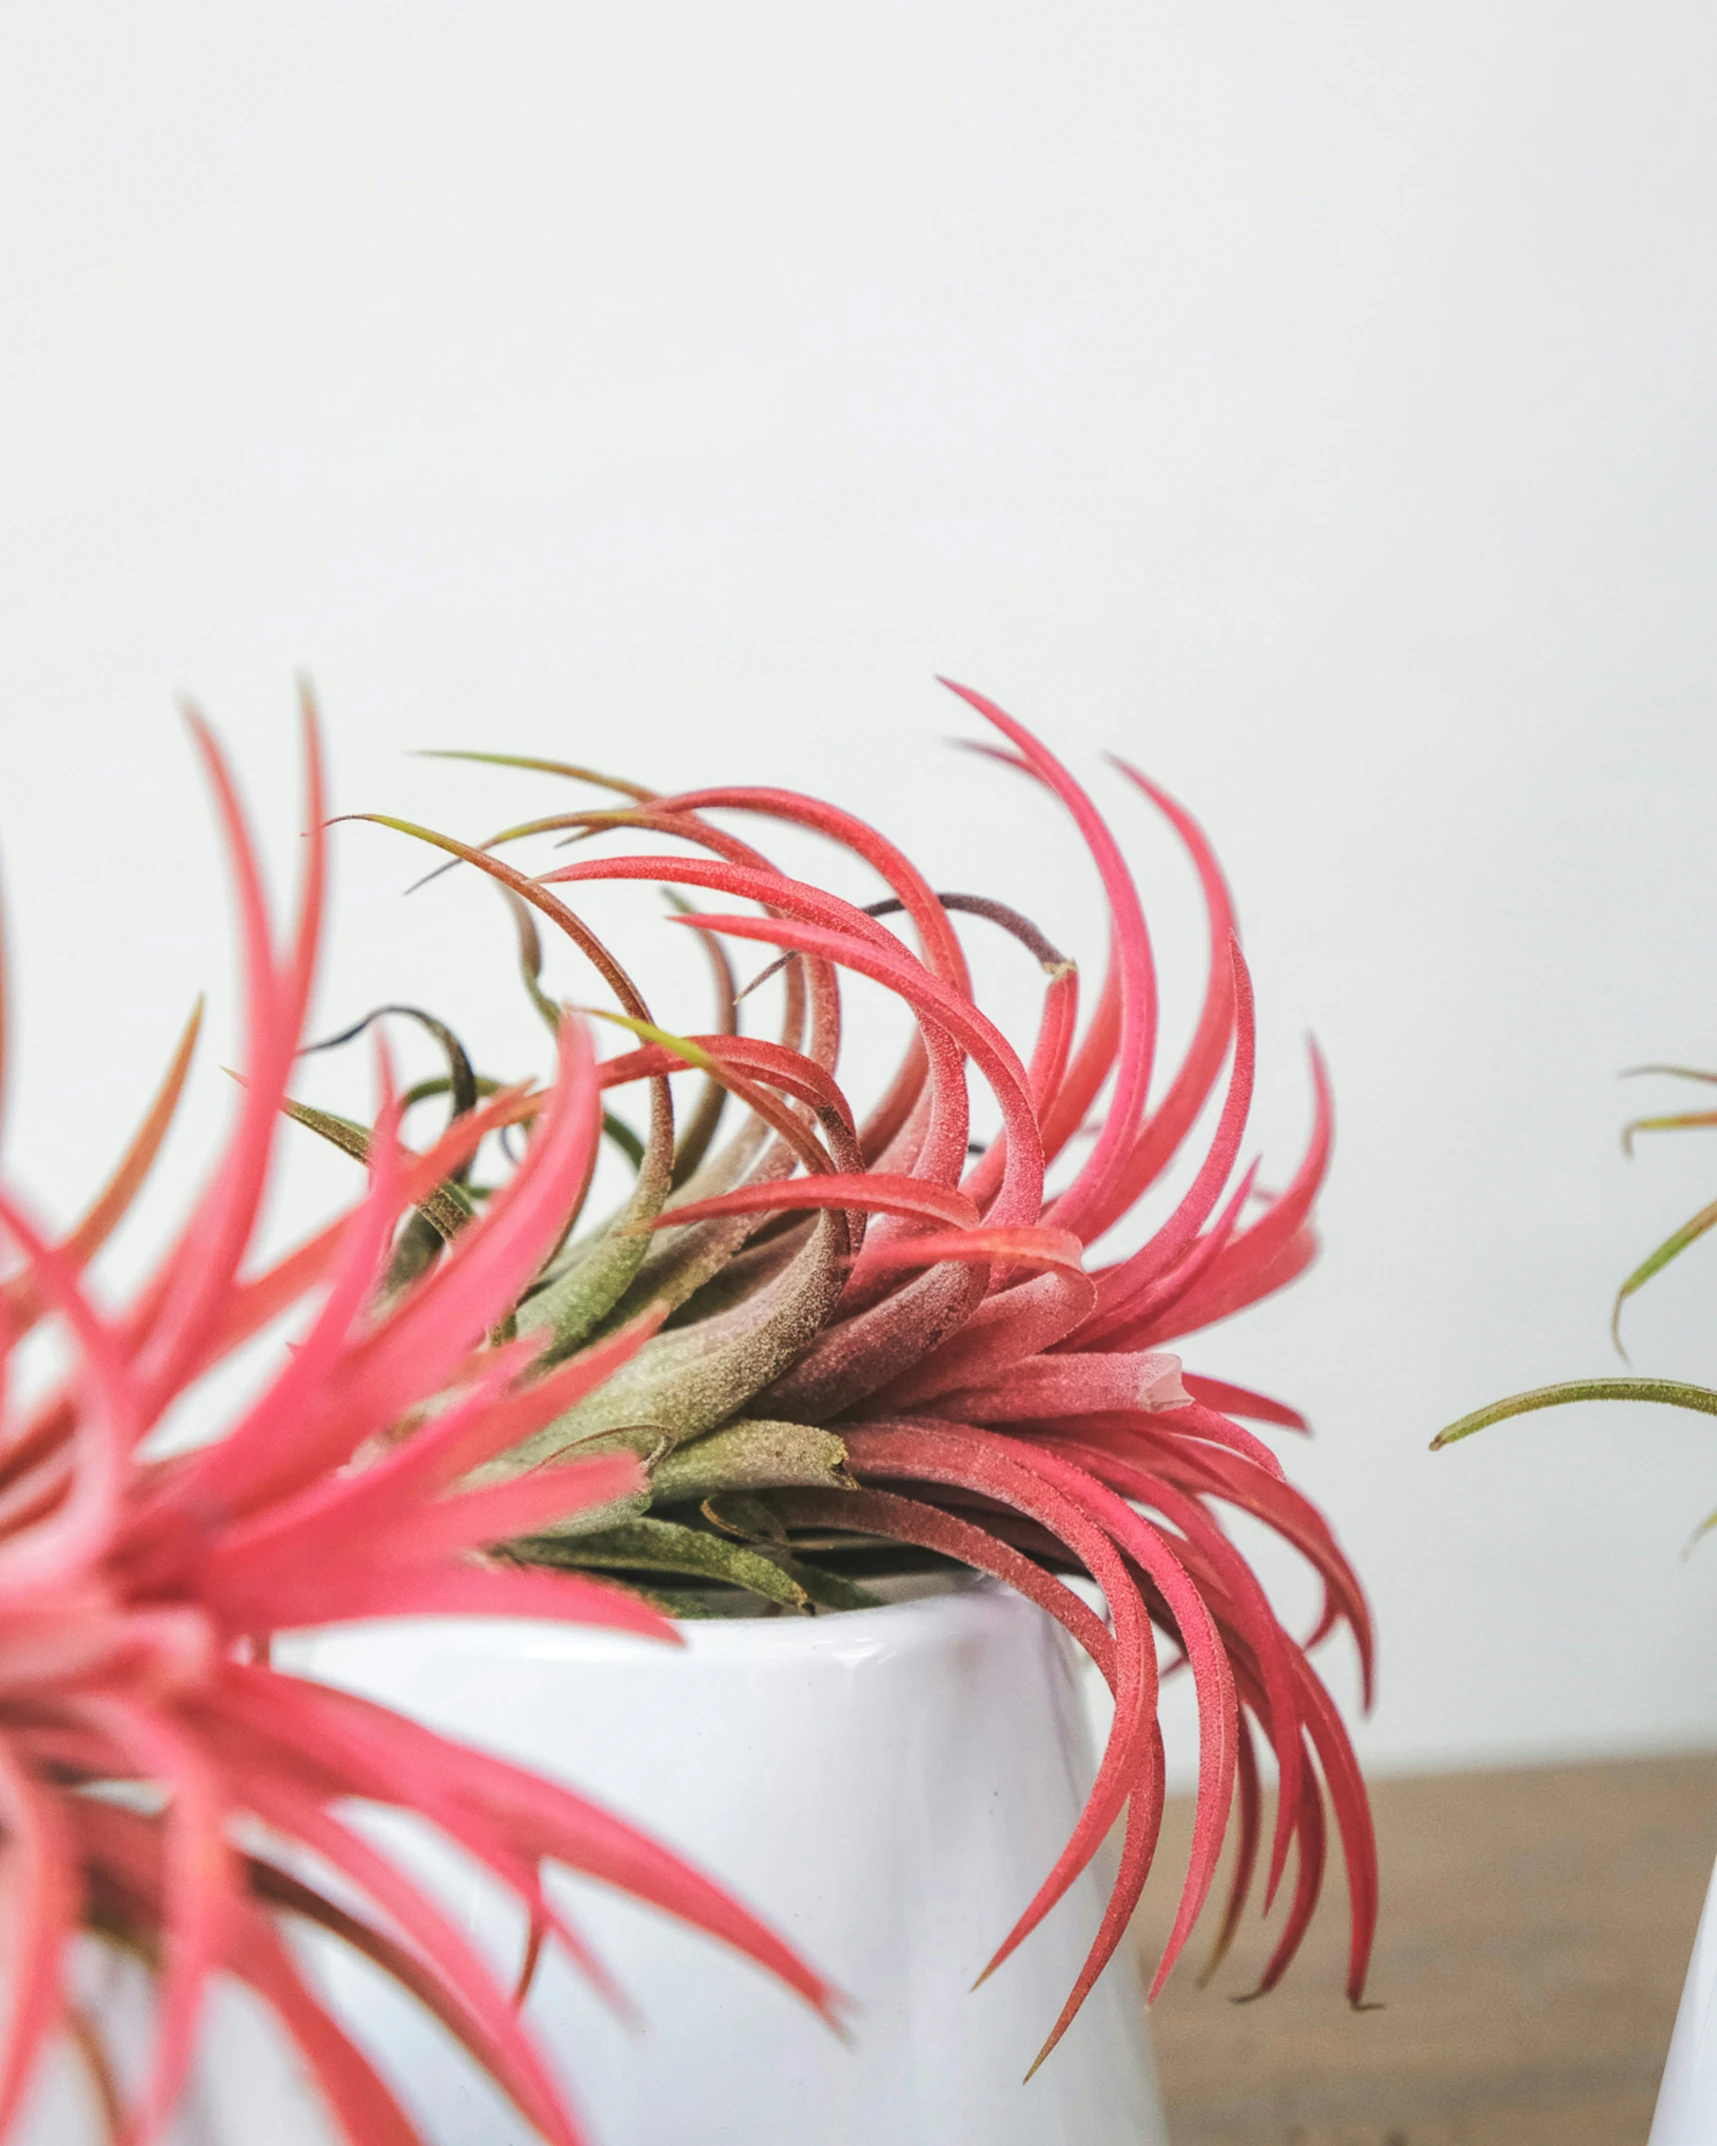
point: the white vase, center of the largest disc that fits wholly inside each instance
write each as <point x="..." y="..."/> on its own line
<point x="1687" y="2097"/>
<point x="888" y="1786"/>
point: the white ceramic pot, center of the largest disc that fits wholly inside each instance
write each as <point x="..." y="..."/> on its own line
<point x="888" y="1786"/>
<point x="1687" y="2097"/>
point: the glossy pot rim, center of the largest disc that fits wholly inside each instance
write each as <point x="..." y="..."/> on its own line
<point x="943" y="1610"/>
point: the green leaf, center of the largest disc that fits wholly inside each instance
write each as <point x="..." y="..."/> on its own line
<point x="701" y="1127"/>
<point x="580" y="1287"/>
<point x="420" y="1242"/>
<point x="745" y="1516"/>
<point x="1673" y="1393"/>
<point x="686" y="1380"/>
<point x="447" y="1209"/>
<point x="1671" y="1248"/>
<point x="531" y="960"/>
<point x="1674" y="1072"/>
<point x="462" y="1080"/>
<point x="439" y="1084"/>
<point x="543" y="767"/>
<point x="828" y="1590"/>
<point x="754" y="1454"/>
<point x="692" y="1054"/>
<point x="624" y="1138"/>
<point x="666" y="1546"/>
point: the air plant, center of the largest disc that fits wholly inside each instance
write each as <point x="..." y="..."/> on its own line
<point x="1673" y="1393"/>
<point x="162" y="1787"/>
<point x="874" y="1339"/>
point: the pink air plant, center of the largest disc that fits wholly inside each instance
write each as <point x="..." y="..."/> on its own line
<point x="138" y="1594"/>
<point x="875" y="1340"/>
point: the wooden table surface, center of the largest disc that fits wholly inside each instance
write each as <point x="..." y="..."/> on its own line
<point x="1535" y="1930"/>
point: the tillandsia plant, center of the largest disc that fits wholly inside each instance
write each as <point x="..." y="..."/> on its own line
<point x="163" y="1789"/>
<point x="1674" y="1393"/>
<point x="873" y="1338"/>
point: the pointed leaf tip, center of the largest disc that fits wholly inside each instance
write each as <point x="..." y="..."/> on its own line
<point x="1671" y="1393"/>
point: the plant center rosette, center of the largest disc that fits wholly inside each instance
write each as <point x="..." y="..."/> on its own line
<point x="842" y="1334"/>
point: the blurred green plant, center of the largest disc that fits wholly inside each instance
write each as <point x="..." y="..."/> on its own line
<point x="1676" y="1393"/>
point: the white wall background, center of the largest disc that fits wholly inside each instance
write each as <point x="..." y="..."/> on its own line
<point x="1314" y="403"/>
